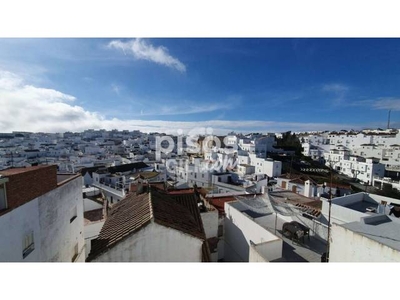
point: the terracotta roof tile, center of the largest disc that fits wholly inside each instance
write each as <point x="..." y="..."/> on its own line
<point x="136" y="211"/>
<point x="181" y="213"/>
<point x="219" y="202"/>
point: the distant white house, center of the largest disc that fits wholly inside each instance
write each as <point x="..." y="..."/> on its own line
<point x="362" y="169"/>
<point x="270" y="167"/>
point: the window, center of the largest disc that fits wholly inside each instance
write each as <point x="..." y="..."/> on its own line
<point x="3" y="198"/>
<point x="76" y="252"/>
<point x="74" y="213"/>
<point x="28" y="244"/>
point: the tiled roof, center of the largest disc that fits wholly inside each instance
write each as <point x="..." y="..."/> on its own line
<point x="127" y="167"/>
<point x="219" y="202"/>
<point x="181" y="213"/>
<point x="205" y="252"/>
<point x="297" y="178"/>
<point x="136" y="211"/>
<point x="125" y="218"/>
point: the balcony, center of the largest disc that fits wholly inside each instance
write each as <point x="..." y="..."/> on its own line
<point x="110" y="189"/>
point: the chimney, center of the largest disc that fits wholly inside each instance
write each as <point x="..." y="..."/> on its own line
<point x="307" y="189"/>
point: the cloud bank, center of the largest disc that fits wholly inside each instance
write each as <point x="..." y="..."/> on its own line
<point x="143" y="50"/>
<point x="25" y="107"/>
<point x="387" y="103"/>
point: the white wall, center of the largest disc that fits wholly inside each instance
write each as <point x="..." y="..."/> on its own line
<point x="155" y="243"/>
<point x="89" y="205"/>
<point x="210" y="223"/>
<point x="266" y="252"/>
<point x="341" y="214"/>
<point x="48" y="216"/>
<point x="242" y="159"/>
<point x="58" y="235"/>
<point x="13" y="227"/>
<point x="239" y="229"/>
<point x="91" y="231"/>
<point x="317" y="228"/>
<point x="348" y="246"/>
<point x="255" y="256"/>
<point x="270" y="167"/>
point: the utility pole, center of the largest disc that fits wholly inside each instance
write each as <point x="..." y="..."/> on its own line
<point x="290" y="170"/>
<point x="329" y="214"/>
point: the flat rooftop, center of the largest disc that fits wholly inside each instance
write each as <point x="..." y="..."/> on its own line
<point x="362" y="206"/>
<point x="262" y="212"/>
<point x="295" y="198"/>
<point x="14" y="171"/>
<point x="380" y="228"/>
<point x="309" y="251"/>
<point x="64" y="178"/>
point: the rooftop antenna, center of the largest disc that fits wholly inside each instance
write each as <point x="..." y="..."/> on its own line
<point x="388" y="124"/>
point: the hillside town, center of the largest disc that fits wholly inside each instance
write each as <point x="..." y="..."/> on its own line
<point x="129" y="196"/>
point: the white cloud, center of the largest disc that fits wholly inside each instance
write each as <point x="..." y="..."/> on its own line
<point x="116" y="88"/>
<point x="339" y="90"/>
<point x="88" y="79"/>
<point x="141" y="49"/>
<point x="379" y="103"/>
<point x="184" y="109"/>
<point x="387" y="103"/>
<point x="335" y="87"/>
<point x="187" y="107"/>
<point x="8" y="80"/>
<point x="30" y="108"/>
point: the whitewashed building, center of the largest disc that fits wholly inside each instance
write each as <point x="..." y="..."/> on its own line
<point x="360" y="168"/>
<point x="41" y="216"/>
<point x="270" y="167"/>
<point x="374" y="238"/>
<point x="245" y="240"/>
<point x="152" y="227"/>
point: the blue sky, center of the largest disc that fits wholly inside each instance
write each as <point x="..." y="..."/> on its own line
<point x="268" y="85"/>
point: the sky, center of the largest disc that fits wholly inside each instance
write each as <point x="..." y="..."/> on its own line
<point x="227" y="84"/>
